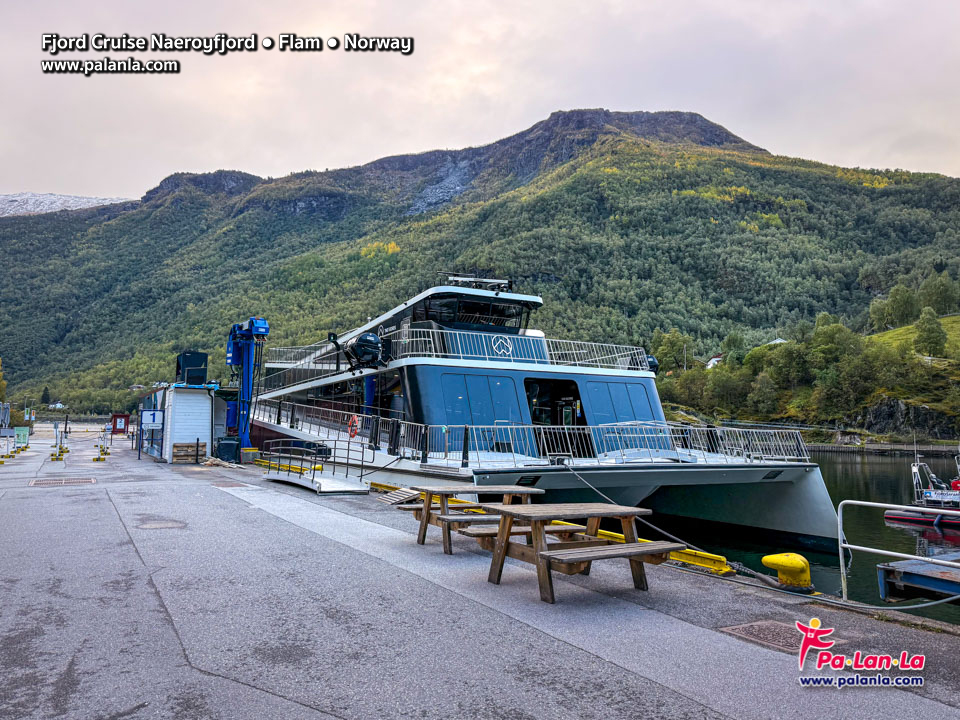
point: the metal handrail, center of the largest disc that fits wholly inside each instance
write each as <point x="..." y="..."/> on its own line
<point x="308" y="365"/>
<point x="843" y="545"/>
<point x="473" y="345"/>
<point x="751" y="443"/>
<point x="634" y="441"/>
<point x="516" y="445"/>
<point x="328" y="455"/>
<point x="274" y="451"/>
<point x="294" y="354"/>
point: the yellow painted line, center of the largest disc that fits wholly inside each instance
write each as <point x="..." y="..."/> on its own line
<point x="716" y="564"/>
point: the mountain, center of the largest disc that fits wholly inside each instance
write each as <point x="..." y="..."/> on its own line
<point x="35" y="203"/>
<point x="624" y="222"/>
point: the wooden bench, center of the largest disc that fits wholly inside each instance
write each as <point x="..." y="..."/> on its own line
<point x="456" y="520"/>
<point x="487" y="531"/>
<point x="468" y="518"/>
<point x="638" y="553"/>
<point x="446" y="517"/>
<point x="410" y="507"/>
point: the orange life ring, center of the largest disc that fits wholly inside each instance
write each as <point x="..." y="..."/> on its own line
<point x="353" y="426"/>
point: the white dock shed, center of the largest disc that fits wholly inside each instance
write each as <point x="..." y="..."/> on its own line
<point x="188" y="418"/>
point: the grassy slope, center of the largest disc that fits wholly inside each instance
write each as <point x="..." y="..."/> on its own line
<point x="950" y="323"/>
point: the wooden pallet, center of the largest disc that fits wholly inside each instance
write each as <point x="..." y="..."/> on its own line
<point x="187" y="452"/>
<point x="398" y="496"/>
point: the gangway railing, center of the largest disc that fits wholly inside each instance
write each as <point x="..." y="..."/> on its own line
<point x="284" y="457"/>
<point x="288" y="457"/>
<point x="843" y="545"/>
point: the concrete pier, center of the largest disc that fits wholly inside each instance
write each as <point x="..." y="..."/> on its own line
<point x="186" y="591"/>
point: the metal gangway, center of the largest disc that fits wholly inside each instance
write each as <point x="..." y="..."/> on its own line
<point x="328" y="467"/>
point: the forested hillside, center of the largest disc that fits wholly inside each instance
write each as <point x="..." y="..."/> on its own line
<point x="625" y="222"/>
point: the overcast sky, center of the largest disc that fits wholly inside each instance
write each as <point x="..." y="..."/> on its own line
<point x="870" y="84"/>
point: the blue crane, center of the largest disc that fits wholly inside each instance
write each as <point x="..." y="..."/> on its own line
<point x="245" y="355"/>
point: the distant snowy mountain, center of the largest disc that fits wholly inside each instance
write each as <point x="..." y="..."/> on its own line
<point x="35" y="203"/>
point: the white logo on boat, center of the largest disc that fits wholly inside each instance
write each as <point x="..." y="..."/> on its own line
<point x="502" y="345"/>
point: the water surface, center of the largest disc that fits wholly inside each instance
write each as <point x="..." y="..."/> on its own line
<point x="876" y="478"/>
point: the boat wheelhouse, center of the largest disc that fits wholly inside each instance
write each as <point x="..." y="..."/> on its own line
<point x="454" y="383"/>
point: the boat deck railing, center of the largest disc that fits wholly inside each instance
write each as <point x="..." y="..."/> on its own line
<point x="513" y="445"/>
<point x="297" y="354"/>
<point x="316" y="362"/>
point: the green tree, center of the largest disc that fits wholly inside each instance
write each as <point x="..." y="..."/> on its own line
<point x="931" y="338"/>
<point x="45" y="396"/>
<point x="879" y="314"/>
<point x="801" y="332"/>
<point x="763" y="395"/>
<point x="734" y="348"/>
<point x="938" y="292"/>
<point x="727" y="387"/>
<point x="690" y="387"/>
<point x="758" y="358"/>
<point x="831" y="343"/>
<point x="789" y="365"/>
<point x="825" y="318"/>
<point x="675" y="350"/>
<point x="3" y="384"/>
<point x="902" y="307"/>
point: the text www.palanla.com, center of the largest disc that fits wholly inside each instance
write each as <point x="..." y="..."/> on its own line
<point x="108" y="65"/>
<point x="857" y="680"/>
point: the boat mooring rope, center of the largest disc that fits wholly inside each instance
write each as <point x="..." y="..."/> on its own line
<point x="771" y="582"/>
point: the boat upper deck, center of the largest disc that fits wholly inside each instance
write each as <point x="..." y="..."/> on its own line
<point x="319" y="364"/>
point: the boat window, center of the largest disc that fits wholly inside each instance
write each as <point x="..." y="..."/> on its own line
<point x="486" y="313"/>
<point x="481" y="406"/>
<point x="507" y="315"/>
<point x="600" y="403"/>
<point x="480" y="399"/>
<point x="455" y="401"/>
<point x="442" y="311"/>
<point x="474" y="313"/>
<point x="505" y="404"/>
<point x="420" y="311"/>
<point x="621" y="402"/>
<point x="640" y="400"/>
<point x="554" y="402"/>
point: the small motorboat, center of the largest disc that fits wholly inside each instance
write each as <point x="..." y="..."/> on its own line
<point x="929" y="491"/>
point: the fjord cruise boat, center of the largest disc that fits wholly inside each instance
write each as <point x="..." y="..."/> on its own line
<point x="455" y="385"/>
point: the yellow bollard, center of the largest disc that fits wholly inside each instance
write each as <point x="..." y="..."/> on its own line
<point x="793" y="570"/>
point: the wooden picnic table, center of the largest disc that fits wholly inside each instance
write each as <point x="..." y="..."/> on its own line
<point x="576" y="556"/>
<point x="445" y="492"/>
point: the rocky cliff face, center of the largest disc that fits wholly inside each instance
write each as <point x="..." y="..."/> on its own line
<point x="227" y="182"/>
<point x="422" y="182"/>
<point x="891" y="415"/>
<point x="35" y="203"/>
<point x="518" y="159"/>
